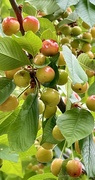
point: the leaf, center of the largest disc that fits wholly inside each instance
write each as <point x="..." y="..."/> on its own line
<point x="45" y="24"/>
<point x="47" y="130"/>
<point x="91" y="89"/>
<point x="11" y="55"/>
<point x="86" y="11"/>
<point x="28" y="9"/>
<point x="23" y="131"/>
<point x="7" y="154"/>
<point x="77" y="74"/>
<point x="92" y="1"/>
<point x="6" y="88"/>
<point x="44" y="176"/>
<point x="48" y="34"/>
<point x="10" y="167"/>
<point x="67" y="3"/>
<point x="75" y="124"/>
<point x="29" y="42"/>
<point x="86" y="62"/>
<point x="88" y="154"/>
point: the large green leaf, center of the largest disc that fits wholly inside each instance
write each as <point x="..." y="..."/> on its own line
<point x="23" y="131"/>
<point x="11" y="54"/>
<point x="77" y="74"/>
<point x="88" y="154"/>
<point x="48" y="34"/>
<point x="75" y="124"/>
<point x="46" y="24"/>
<point x="86" y="11"/>
<point x="7" y="154"/>
<point x="67" y="3"/>
<point x="6" y="88"/>
<point x="91" y="89"/>
<point x="29" y="42"/>
<point x="44" y="176"/>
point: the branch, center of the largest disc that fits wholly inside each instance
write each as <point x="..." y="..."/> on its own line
<point x="18" y="11"/>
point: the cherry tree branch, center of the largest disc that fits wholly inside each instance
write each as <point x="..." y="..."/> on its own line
<point x="18" y="11"/>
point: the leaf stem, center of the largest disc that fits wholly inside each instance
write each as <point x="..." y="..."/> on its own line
<point x="18" y="11"/>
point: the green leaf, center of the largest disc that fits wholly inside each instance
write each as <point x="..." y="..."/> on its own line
<point x="92" y="1"/>
<point x="11" y="54"/>
<point x="86" y="11"/>
<point x="6" y="88"/>
<point x="28" y="9"/>
<point x="77" y="74"/>
<point x="48" y="34"/>
<point x="88" y="154"/>
<point x="7" y="154"/>
<point x="23" y="131"/>
<point x="67" y="3"/>
<point x="47" y="131"/>
<point x="91" y="89"/>
<point x="29" y="42"/>
<point x="75" y="124"/>
<point x="45" y="24"/>
<point x="86" y="62"/>
<point x="44" y="176"/>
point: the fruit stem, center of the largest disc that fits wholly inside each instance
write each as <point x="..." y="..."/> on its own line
<point x="18" y="11"/>
<point x="65" y="143"/>
<point x="69" y="91"/>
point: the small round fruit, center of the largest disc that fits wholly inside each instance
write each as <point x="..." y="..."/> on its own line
<point x="49" y="111"/>
<point x="50" y="97"/>
<point x="93" y="32"/>
<point x="9" y="74"/>
<point x="90" y="73"/>
<point x="45" y="74"/>
<point x="44" y="155"/>
<point x="27" y="92"/>
<point x="49" y="47"/>
<point x="79" y="88"/>
<point x="31" y="23"/>
<point x="74" y="168"/>
<point x="47" y="146"/>
<point x="86" y="47"/>
<point x="57" y="134"/>
<point x="61" y="60"/>
<point x="76" y="30"/>
<point x="65" y="40"/>
<point x="65" y="29"/>
<point x="1" y="162"/>
<point x="75" y="43"/>
<point x="10" y="26"/>
<point x="56" y="166"/>
<point x="90" y="102"/>
<point x="10" y="104"/>
<point x="41" y="106"/>
<point x="85" y="25"/>
<point x="22" y="78"/>
<point x="39" y="59"/>
<point x="63" y="77"/>
<point x="87" y="36"/>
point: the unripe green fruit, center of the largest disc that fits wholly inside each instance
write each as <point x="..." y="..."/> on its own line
<point x="47" y="146"/>
<point x="66" y="30"/>
<point x="56" y="166"/>
<point x="86" y="47"/>
<point x="90" y="102"/>
<point x="41" y="106"/>
<point x="57" y="134"/>
<point x="76" y="30"/>
<point x="49" y="47"/>
<point x="93" y="32"/>
<point x="75" y="43"/>
<point x="50" y="97"/>
<point x="90" y="54"/>
<point x="85" y="25"/>
<point x="61" y="60"/>
<point x="44" y="155"/>
<point x="31" y="23"/>
<point x="10" y="104"/>
<point x="22" y="78"/>
<point x="39" y="59"/>
<point x="79" y="88"/>
<point x="63" y="77"/>
<point x="65" y="40"/>
<point x="9" y="74"/>
<point x="87" y="36"/>
<point x="10" y="26"/>
<point x="45" y="74"/>
<point x="90" y="73"/>
<point x="49" y="111"/>
<point x="74" y="168"/>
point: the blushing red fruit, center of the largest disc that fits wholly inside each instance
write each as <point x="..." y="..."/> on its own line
<point x="31" y="23"/>
<point x="56" y="166"/>
<point x="50" y="97"/>
<point x="10" y="104"/>
<point x="10" y="26"/>
<point x="49" y="47"/>
<point x="90" y="102"/>
<point x="45" y="74"/>
<point x="74" y="168"/>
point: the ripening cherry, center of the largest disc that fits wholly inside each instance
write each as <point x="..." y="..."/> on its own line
<point x="90" y="102"/>
<point x="31" y="23"/>
<point x="79" y="88"/>
<point x="74" y="168"/>
<point x="49" y="47"/>
<point x="10" y="25"/>
<point x="56" y="166"/>
<point x="44" y="155"/>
